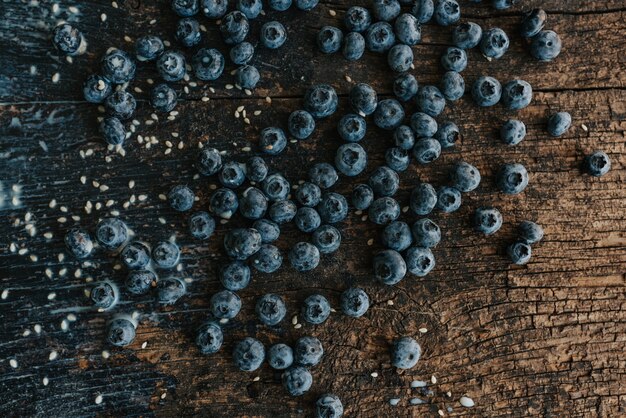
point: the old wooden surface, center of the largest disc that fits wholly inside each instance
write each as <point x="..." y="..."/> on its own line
<point x="546" y="339"/>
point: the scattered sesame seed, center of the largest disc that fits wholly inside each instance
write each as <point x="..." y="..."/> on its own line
<point x="433" y="379"/>
<point x="127" y="38"/>
<point x="370" y="241"/>
<point x="63" y="271"/>
<point x="34" y="258"/>
<point x="104" y="188"/>
<point x="142" y="197"/>
<point x="163" y="395"/>
<point x="64" y="325"/>
<point x="162" y="221"/>
<point x="332" y="13"/>
<point x="229" y="86"/>
<point x="423" y="330"/>
<point x="53" y="355"/>
<point x="105" y="354"/>
<point x="162" y="197"/>
<point x="394" y="401"/>
<point x="298" y="326"/>
<point x="114" y="4"/>
<point x="374" y="374"/>
<point x="294" y="320"/>
<point x="12" y="247"/>
<point x="416" y="401"/>
<point x="23" y="251"/>
<point x="585" y="128"/>
<point x="466" y="401"/>
<point x="418" y="384"/>
<point x="45" y="381"/>
<point x="61" y="257"/>
<point x="256" y="379"/>
<point x="390" y="302"/>
<point x="71" y="317"/>
<point x="131" y="184"/>
<point x="98" y="399"/>
<point x="37" y="328"/>
<point x="257" y="113"/>
<point x="56" y="77"/>
<point x="441" y="413"/>
<point x="348" y="79"/>
<point x="103" y="17"/>
<point x="153" y="21"/>
<point x="13" y="363"/>
<point x="62" y="220"/>
<point x="5" y="294"/>
<point x="145" y="344"/>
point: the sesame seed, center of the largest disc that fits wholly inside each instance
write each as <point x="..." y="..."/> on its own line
<point x="162" y="197"/>
<point x="114" y="4"/>
<point x="61" y="257"/>
<point x="256" y="379"/>
<point x="127" y="38"/>
<point x="62" y="220"/>
<point x="13" y="363"/>
<point x="73" y="9"/>
<point x="248" y="92"/>
<point x="71" y="317"/>
<point x="5" y="294"/>
<point x="348" y="79"/>
<point x="433" y="379"/>
<point x="56" y="77"/>
<point x="370" y="241"/>
<point x="52" y="295"/>
<point x="423" y="330"/>
<point x="153" y="21"/>
<point x="229" y="86"/>
<point x="390" y="302"/>
<point x="131" y="184"/>
<point x="34" y="258"/>
<point x="13" y="247"/>
<point x="374" y="374"/>
<point x="142" y="197"/>
<point x="23" y="251"/>
<point x="83" y="179"/>
<point x="45" y="381"/>
<point x="332" y="13"/>
<point x="298" y="326"/>
<point x="103" y="17"/>
<point x="268" y="99"/>
<point x="585" y="128"/>
<point x="98" y="399"/>
<point x="104" y="188"/>
<point x="394" y="401"/>
<point x="105" y="354"/>
<point x="37" y="328"/>
<point x="441" y="413"/>
<point x="64" y="325"/>
<point x="162" y="221"/>
<point x="53" y="355"/>
<point x="466" y="401"/>
<point x="145" y="344"/>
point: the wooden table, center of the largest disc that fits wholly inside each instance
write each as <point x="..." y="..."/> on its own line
<point x="545" y="339"/>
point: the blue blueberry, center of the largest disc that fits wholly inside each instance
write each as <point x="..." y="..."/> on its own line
<point x="502" y="4"/>
<point x="249" y="354"/>
<point x="271" y="309"/>
<point x="494" y="43"/>
<point x="272" y="140"/>
<point x="234" y="275"/>
<point x="405" y="87"/>
<point x="400" y="58"/>
<point x="517" y="94"/>
<point x="269" y="230"/>
<point x="139" y="282"/>
<point x="121" y="332"/>
<point x="425" y="233"/>
<point x="208" y="64"/>
<point x="273" y="35"/>
<point x="403" y="137"/>
<point x="448" y="199"/>
<point x="297" y="380"/>
<point x="379" y="37"/>
<point x="384" y="181"/>
<point x="282" y="211"/>
<point x="112" y="130"/>
<point x="598" y="163"/>
<point x="111" y="233"/>
<point x="512" y="178"/>
<point x="301" y="124"/>
<point x="118" y="67"/>
<point x="241" y="243"/>
<point x="308" y="351"/>
<point x="185" y="8"/>
<point x="209" y="338"/>
<point x="419" y="261"/>
<point x="352" y="127"/>
<point x="307" y="219"/>
<point x="406" y="353"/>
<point x="407" y="29"/>
<point x="397" y="236"/>
<point x="280" y="356"/>
<point x="452" y="86"/>
<point x="426" y="150"/>
<point x="333" y="208"/>
<point x="530" y="232"/>
<point x="268" y="259"/>
<point x="363" y="99"/>
<point x="308" y="194"/>
<point x="465" y="177"/>
<point x="209" y="161"/>
<point x="225" y="304"/>
<point x="250" y="8"/>
<point x="329" y="39"/>
<point x="234" y="27"/>
<point x="384" y="210"/>
<point x="248" y="77"/>
<point x="306" y="5"/>
<point x="354" y="302"/>
<point x="353" y="46"/>
<point x="232" y="174"/>
<point x="430" y="100"/>
<point x="389" y="114"/>
<point x="96" y="89"/>
<point x="79" y="243"/>
<point x="519" y="253"/>
<point x="315" y="310"/>
<point x="256" y="169"/>
<point x="447" y="12"/>
<point x="357" y="19"/>
<point x="487" y="220"/>
<point x="559" y="123"/>
<point x="223" y="203"/>
<point x="304" y="256"/>
<point x="454" y="59"/>
<point x="397" y="159"/>
<point x="386" y="10"/>
<point x="362" y="196"/>
<point x="448" y="134"/>
<point x="214" y="9"/>
<point x="280" y="5"/>
<point x="467" y="35"/>
<point x="163" y="98"/>
<point x="135" y="255"/>
<point x="188" y="32"/>
<point x="423" y="199"/>
<point x="486" y="91"/>
<point x="252" y="203"/>
<point x="68" y="39"/>
<point x="169" y="290"/>
<point x="323" y="175"/>
<point x="513" y="132"/>
<point x="166" y="254"/>
<point x="201" y="225"/>
<point x="121" y="104"/>
<point x="242" y="53"/>
<point x="104" y="295"/>
<point x="327" y="239"/>
<point x="423" y="10"/>
<point x="276" y="187"/>
<point x="328" y="406"/>
<point x="533" y="22"/>
<point x="181" y="198"/>
<point x="424" y="126"/>
<point x="171" y="66"/>
<point x="546" y="45"/>
<point x="321" y="101"/>
<point x="389" y="267"/>
<point x="351" y="159"/>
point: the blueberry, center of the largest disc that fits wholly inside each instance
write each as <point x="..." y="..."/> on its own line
<point x="234" y="27"/>
<point x="249" y="354"/>
<point x="448" y="134"/>
<point x="273" y="35"/>
<point x="447" y="12"/>
<point x="407" y="29"/>
<point x="397" y="236"/>
<point x="252" y="203"/>
<point x="530" y="232"/>
<point x="324" y="175"/>
<point x="209" y="161"/>
<point x="304" y="256"/>
<point x="423" y="199"/>
<point x="280" y="5"/>
<point x="546" y="45"/>
<point x="486" y="91"/>
<point x="353" y="46"/>
<point x="389" y="267"/>
<point x="235" y="275"/>
<point x="513" y="132"/>
<point x="208" y="64"/>
<point x="406" y="353"/>
<point x="280" y="356"/>
<point x="351" y="159"/>
<point x="465" y="177"/>
<point x="139" y="282"/>
<point x="400" y="58"/>
<point x="467" y="35"/>
<point x="270" y="309"/>
<point x="321" y="101"/>
<point x="163" y="98"/>
<point x="214" y="9"/>
<point x="352" y="127"/>
<point x="533" y="22"/>
<point x="423" y="125"/>
<point x="188" y="32"/>
<point x="121" y="332"/>
<point x="241" y="243"/>
<point x="308" y="351"/>
<point x="79" y="243"/>
<point x="136" y="255"/>
<point x="430" y="100"/>
<point x="248" y="77"/>
<point x="272" y="140"/>
<point x="519" y="253"/>
<point x="282" y="211"/>
<point x="384" y="181"/>
<point x="379" y="37"/>
<point x="327" y="239"/>
<point x="333" y="207"/>
<point x="389" y="114"/>
<point x="308" y="194"/>
<point x="357" y="19"/>
<point x="454" y="59"/>
<point x="328" y="406"/>
<point x="68" y="39"/>
<point x="112" y="130"/>
<point x="242" y="53"/>
<point x="223" y="203"/>
<point x="452" y="85"/>
<point x="329" y="39"/>
<point x="362" y="196"/>
<point x="426" y="233"/>
<point x="354" y="302"/>
<point x="268" y="259"/>
<point x="598" y="163"/>
<point x="502" y="4"/>
<point x="426" y="150"/>
<point x="384" y="210"/>
<point x="306" y="5"/>
<point x="423" y="10"/>
<point x="166" y="254"/>
<point x="270" y="231"/>
<point x="121" y="104"/>
<point x="256" y="169"/>
<point x="209" y="338"/>
<point x="301" y="124"/>
<point x="363" y="99"/>
<point x="185" y="8"/>
<point x="307" y="219"/>
<point x="118" y="67"/>
<point x="405" y="87"/>
<point x="512" y="178"/>
<point x="111" y="233"/>
<point x="181" y="198"/>
<point x="448" y="199"/>
<point x="297" y="380"/>
<point x="250" y="8"/>
<point x="494" y="43"/>
<point x="232" y="174"/>
<point x="386" y="10"/>
<point x="104" y="295"/>
<point x="559" y="123"/>
<point x="171" y="66"/>
<point x="276" y="187"/>
<point x="397" y="159"/>
<point x="403" y="137"/>
<point x="487" y="220"/>
<point x="315" y="310"/>
<point x="96" y="89"/>
<point x="419" y="261"/>
<point x="225" y="304"/>
<point x="169" y="290"/>
<point x="517" y="94"/>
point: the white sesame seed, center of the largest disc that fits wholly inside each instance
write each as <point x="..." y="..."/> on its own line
<point x="466" y="401"/>
<point x="63" y="271"/>
<point x="114" y="4"/>
<point x="64" y="325"/>
<point x="162" y="197"/>
<point x="62" y="220"/>
<point x="374" y="374"/>
<point x="56" y="77"/>
<point x="256" y="379"/>
<point x="153" y="21"/>
<point x="98" y="399"/>
<point x="34" y="258"/>
<point x="52" y="204"/>
<point x="257" y="113"/>
<point x="13" y="363"/>
<point x="105" y="354"/>
<point x="104" y="188"/>
<point x="294" y="320"/>
<point x="348" y="79"/>
<point x="127" y="38"/>
<point x="45" y="381"/>
<point x="37" y="328"/>
<point x="48" y="273"/>
<point x="162" y="221"/>
<point x="103" y="17"/>
<point x="433" y="379"/>
<point x="370" y="241"/>
<point x="61" y="257"/>
<point x="145" y="344"/>
<point x="12" y="247"/>
<point x="390" y="302"/>
<point x="394" y="401"/>
<point x="441" y="413"/>
<point x="297" y="326"/>
<point x="332" y="13"/>
<point x="142" y="197"/>
<point x="229" y="86"/>
<point x="5" y="294"/>
<point x="73" y="9"/>
<point x="423" y="330"/>
<point x="585" y="128"/>
<point x="52" y="295"/>
<point x="53" y="355"/>
<point x="131" y="184"/>
<point x="71" y="317"/>
<point x="23" y="251"/>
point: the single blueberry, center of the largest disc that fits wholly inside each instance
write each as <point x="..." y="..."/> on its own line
<point x="354" y="302"/>
<point x="357" y="19"/>
<point x="121" y="332"/>
<point x="250" y="8"/>
<point x="352" y="127"/>
<point x="425" y="233"/>
<point x="315" y="310"/>
<point x="306" y="5"/>
<point x="169" y="290"/>
<point x="112" y="130"/>
<point x="405" y="353"/>
<point x="467" y="35"/>
<point x="118" y="67"/>
<point x="273" y="35"/>
<point x="242" y="53"/>
<point x="280" y="356"/>
<point x="426" y="150"/>
<point x="379" y="37"/>
<point x="408" y="30"/>
<point x="223" y="203"/>
<point x="297" y="380"/>
<point x="252" y="203"/>
<point x="308" y="194"/>
<point x="68" y="39"/>
<point x="423" y="10"/>
<point x="271" y="309"/>
<point x="111" y="233"/>
<point x="171" y="66"/>
<point x="362" y="196"/>
<point x="327" y="239"/>
<point x="234" y="27"/>
<point x="166" y="254"/>
<point x="269" y="230"/>
<point x="232" y="174"/>
<point x="214" y="9"/>
<point x="423" y="199"/>
<point x="321" y="101"/>
<point x="282" y="211"/>
<point x="209" y="338"/>
<point x="389" y="114"/>
<point x="502" y="4"/>
<point x="234" y="275"/>
<point x="307" y="219"/>
<point x="513" y="132"/>
<point x="272" y="140"/>
<point x="533" y="22"/>
<point x="448" y="199"/>
<point x="546" y="45"/>
<point x="104" y="295"/>
<point x="519" y="253"/>
<point x="280" y="5"/>
<point x="181" y="198"/>
<point x="136" y="255"/>
<point x="79" y="243"/>
<point x="397" y="236"/>
<point x="403" y="137"/>
<point x="208" y="64"/>
<point x="487" y="220"/>
<point x="304" y="256"/>
<point x="559" y="123"/>
<point x="389" y="267"/>
<point x="454" y="59"/>
<point x="139" y="282"/>
<point x="598" y="163"/>
<point x="163" y="98"/>
<point x="465" y="177"/>
<point x="486" y="91"/>
<point x="517" y="94"/>
<point x="256" y="169"/>
<point x="494" y="43"/>
<point x="448" y="135"/>
<point x="384" y="210"/>
<point x="185" y="8"/>
<point x="397" y="159"/>
<point x="386" y="10"/>
<point x="248" y="77"/>
<point x="447" y="12"/>
<point x="424" y="126"/>
<point x="121" y="104"/>
<point x="148" y="48"/>
<point x="241" y="243"/>
<point x="333" y="207"/>
<point x="209" y="161"/>
<point x="225" y="304"/>
<point x="512" y="178"/>
<point x="329" y="39"/>
<point x="351" y="159"/>
<point x="405" y="87"/>
<point x="419" y="261"/>
<point x="308" y="351"/>
<point x="530" y="232"/>
<point x="96" y="89"/>
<point x="324" y="175"/>
<point x="328" y="406"/>
<point x="452" y="86"/>
<point x="268" y="259"/>
<point x="301" y="124"/>
<point x="276" y="187"/>
<point x="188" y="32"/>
<point x="430" y="100"/>
<point x="249" y="354"/>
<point x="363" y="99"/>
<point x="384" y="181"/>
<point x="400" y="58"/>
<point x="353" y="46"/>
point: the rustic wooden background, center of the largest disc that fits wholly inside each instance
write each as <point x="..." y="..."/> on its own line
<point x="546" y="339"/>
